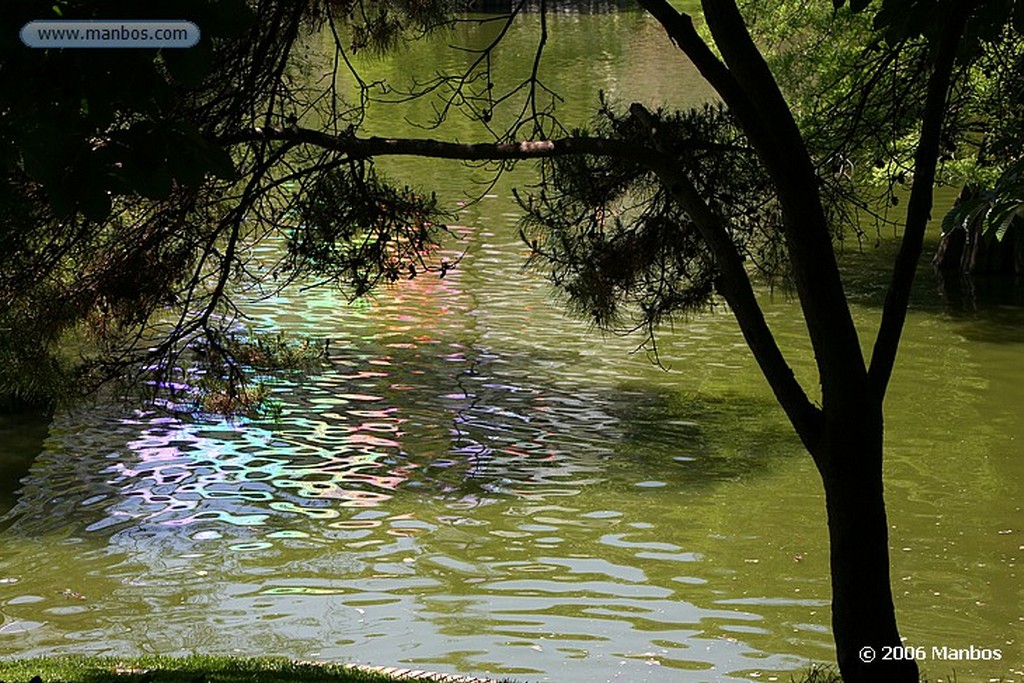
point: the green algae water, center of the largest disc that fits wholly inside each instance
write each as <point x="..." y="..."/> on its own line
<point x="477" y="483"/>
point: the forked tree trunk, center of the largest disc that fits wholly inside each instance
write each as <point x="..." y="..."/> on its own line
<point x="863" y="616"/>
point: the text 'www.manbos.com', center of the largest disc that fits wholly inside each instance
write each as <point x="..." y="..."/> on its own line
<point x="110" y="34"/>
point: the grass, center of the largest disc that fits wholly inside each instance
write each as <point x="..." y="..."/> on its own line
<point x="819" y="674"/>
<point x="195" y="669"/>
<point x="205" y="669"/>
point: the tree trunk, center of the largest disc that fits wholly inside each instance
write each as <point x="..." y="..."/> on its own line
<point x="863" y="616"/>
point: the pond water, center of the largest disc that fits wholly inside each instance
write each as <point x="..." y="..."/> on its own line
<point x="478" y="484"/>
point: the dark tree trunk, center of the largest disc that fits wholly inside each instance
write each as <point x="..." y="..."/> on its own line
<point x="863" y="616"/>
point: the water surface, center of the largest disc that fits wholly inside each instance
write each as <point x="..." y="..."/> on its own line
<point x="477" y="483"/>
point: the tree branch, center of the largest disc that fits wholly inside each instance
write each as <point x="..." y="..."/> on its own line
<point x="734" y="285"/>
<point x="748" y="88"/>
<point x="681" y="31"/>
<point x="894" y="311"/>
<point x="363" y="148"/>
<point x="808" y="241"/>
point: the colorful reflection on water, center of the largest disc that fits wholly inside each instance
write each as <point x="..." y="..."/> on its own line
<point x="472" y="521"/>
<point x="448" y="493"/>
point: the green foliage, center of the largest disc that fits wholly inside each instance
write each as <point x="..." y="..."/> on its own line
<point x="124" y="214"/>
<point x="29" y="373"/>
<point x="839" y="83"/>
<point x="234" y="374"/>
<point x="270" y="352"/>
<point x="35" y="315"/>
<point x="91" y="125"/>
<point x="616" y="243"/>
<point x="128" y="221"/>
<point x="103" y="158"/>
<point x="839" y="69"/>
<point x="357" y="228"/>
<point x="220" y="396"/>
<point x="901" y="20"/>
<point x="997" y="209"/>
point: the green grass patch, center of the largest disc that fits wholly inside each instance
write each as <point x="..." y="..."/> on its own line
<point x="819" y="674"/>
<point x="195" y="669"/>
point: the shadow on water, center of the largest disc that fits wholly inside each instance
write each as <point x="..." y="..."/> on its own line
<point x="22" y="436"/>
<point x="986" y="308"/>
<point x="408" y="498"/>
<point x="698" y="440"/>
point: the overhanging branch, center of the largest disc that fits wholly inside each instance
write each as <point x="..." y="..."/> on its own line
<point x="682" y="32"/>
<point x="747" y="87"/>
<point x="355" y="147"/>
<point x="734" y="284"/>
